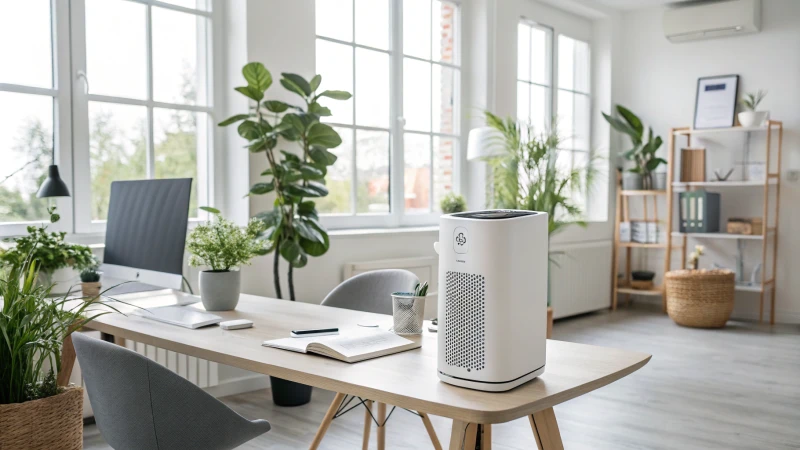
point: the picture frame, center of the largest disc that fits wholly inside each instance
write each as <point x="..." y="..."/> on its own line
<point x="715" y="102"/>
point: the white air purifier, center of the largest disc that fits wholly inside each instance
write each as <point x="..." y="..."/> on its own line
<point x="492" y="298"/>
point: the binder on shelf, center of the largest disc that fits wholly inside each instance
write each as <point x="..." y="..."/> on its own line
<point x="699" y="212"/>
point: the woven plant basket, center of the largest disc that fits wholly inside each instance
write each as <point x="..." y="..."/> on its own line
<point x="50" y="423"/>
<point x="700" y="298"/>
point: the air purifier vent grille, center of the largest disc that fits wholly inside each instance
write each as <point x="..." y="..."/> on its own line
<point x="465" y="316"/>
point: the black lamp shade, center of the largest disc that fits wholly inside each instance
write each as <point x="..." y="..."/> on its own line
<point x="53" y="185"/>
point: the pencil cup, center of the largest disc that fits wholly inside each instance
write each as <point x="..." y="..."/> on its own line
<point x="408" y="312"/>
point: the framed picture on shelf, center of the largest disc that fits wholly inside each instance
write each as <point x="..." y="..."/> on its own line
<point x="715" y="102"/>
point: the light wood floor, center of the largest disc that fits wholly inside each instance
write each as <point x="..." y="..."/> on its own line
<point x="736" y="388"/>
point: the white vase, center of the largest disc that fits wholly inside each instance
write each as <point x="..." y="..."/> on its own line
<point x="219" y="291"/>
<point x="62" y="280"/>
<point x="752" y="118"/>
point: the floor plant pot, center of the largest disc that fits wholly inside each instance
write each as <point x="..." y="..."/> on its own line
<point x="47" y="423"/>
<point x="631" y="181"/>
<point x="752" y="118"/>
<point x="219" y="290"/>
<point x="289" y="393"/>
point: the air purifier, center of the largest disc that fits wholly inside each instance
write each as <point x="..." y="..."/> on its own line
<point x="492" y="298"/>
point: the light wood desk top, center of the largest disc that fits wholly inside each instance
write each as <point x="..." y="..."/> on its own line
<point x="406" y="379"/>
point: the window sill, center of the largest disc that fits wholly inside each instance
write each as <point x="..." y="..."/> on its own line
<point x="358" y="232"/>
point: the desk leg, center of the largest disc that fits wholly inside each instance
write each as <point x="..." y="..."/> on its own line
<point x="545" y="430"/>
<point x="367" y="423"/>
<point x="431" y="431"/>
<point x="381" y="426"/>
<point x="486" y="436"/>
<point x="67" y="361"/>
<point x="326" y="421"/>
<point x="464" y="436"/>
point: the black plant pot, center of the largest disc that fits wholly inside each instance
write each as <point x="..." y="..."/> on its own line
<point x="289" y="393"/>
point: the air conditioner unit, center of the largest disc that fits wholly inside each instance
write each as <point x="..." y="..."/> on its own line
<point x="712" y="20"/>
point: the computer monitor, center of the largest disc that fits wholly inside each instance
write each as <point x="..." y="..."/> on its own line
<point x="146" y="232"/>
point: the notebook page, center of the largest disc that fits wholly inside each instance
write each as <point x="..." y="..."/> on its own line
<point x="365" y="341"/>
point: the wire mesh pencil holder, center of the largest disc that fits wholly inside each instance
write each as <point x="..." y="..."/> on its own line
<point x="408" y="313"/>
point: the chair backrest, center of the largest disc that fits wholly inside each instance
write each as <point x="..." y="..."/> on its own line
<point x="139" y="404"/>
<point x="371" y="291"/>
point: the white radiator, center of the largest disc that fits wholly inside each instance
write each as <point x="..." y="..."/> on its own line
<point x="580" y="277"/>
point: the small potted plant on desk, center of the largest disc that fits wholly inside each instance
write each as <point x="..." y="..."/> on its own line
<point x="224" y="247"/>
<point x="90" y="282"/>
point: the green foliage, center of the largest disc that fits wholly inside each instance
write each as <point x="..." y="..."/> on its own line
<point x="90" y="275"/>
<point x="20" y="181"/>
<point x="292" y="226"/>
<point x="222" y="245"/>
<point x="421" y="290"/>
<point x="751" y="100"/>
<point x="49" y="250"/>
<point x="453" y="203"/>
<point x="526" y="177"/>
<point x="33" y="327"/>
<point x="643" y="153"/>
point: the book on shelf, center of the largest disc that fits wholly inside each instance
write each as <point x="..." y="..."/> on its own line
<point x="352" y="345"/>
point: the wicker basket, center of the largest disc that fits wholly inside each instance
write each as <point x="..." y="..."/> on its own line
<point x="700" y="298"/>
<point x="50" y="423"/>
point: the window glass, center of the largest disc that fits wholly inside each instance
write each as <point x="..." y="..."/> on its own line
<point x="372" y="164"/>
<point x="177" y="55"/>
<point x="25" y="36"/>
<point x="334" y="19"/>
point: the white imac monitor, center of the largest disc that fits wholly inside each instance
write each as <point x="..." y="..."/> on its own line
<point x="146" y="234"/>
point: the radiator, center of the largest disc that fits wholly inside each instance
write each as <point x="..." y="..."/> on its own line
<point x="580" y="277"/>
<point x="200" y="372"/>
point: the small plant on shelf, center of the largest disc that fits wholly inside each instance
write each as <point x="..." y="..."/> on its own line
<point x="750" y="116"/>
<point x="694" y="257"/>
<point x="643" y="153"/>
<point x="751" y="100"/>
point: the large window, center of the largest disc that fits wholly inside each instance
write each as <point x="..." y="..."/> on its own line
<point x="140" y="104"/>
<point x="400" y="130"/>
<point x="567" y="105"/>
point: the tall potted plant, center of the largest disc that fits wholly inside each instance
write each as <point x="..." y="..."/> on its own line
<point x="293" y="231"/>
<point x="643" y="153"/>
<point x="223" y="247"/>
<point x="526" y="177"/>
<point x="35" y="412"/>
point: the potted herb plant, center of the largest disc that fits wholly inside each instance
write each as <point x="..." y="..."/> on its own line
<point x="453" y="203"/>
<point x="750" y="117"/>
<point x="224" y="247"/>
<point x="90" y="282"/>
<point x="526" y="177"/>
<point x="35" y="411"/>
<point x="57" y="260"/>
<point x="643" y="154"/>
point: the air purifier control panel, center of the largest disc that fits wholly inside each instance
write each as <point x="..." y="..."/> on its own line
<point x="460" y="240"/>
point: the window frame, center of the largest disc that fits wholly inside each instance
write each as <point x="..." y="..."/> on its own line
<point x="82" y="193"/>
<point x="397" y="217"/>
<point x="588" y="94"/>
<point x="62" y="118"/>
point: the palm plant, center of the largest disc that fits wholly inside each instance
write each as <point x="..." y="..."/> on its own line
<point x="751" y="100"/>
<point x="526" y="176"/>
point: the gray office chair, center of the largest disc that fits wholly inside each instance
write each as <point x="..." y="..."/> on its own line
<point x="370" y="292"/>
<point x="140" y="404"/>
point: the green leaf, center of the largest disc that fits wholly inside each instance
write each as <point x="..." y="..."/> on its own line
<point x="276" y="106"/>
<point x="270" y="218"/>
<point x="257" y="76"/>
<point x="316" y="108"/>
<point x="210" y="210"/>
<point x="319" y="188"/>
<point x="290" y="156"/>
<point x="322" y="156"/>
<point x="315" y="81"/>
<point x="262" y="188"/>
<point x="314" y="248"/>
<point x="298" y="190"/>
<point x="300" y="262"/>
<point x="296" y="84"/>
<point x="250" y="92"/>
<point x="249" y="130"/>
<point x="307" y="208"/>
<point x="323" y="135"/>
<point x="234" y="119"/>
<point x="296" y="127"/>
<point x="623" y="127"/>
<point x="310" y="172"/>
<point x="336" y="95"/>
<point x="631" y="118"/>
<point x="290" y="250"/>
<point x="308" y="231"/>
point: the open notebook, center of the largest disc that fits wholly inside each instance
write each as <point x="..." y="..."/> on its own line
<point x="351" y="346"/>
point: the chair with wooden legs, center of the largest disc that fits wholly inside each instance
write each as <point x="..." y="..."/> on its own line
<point x="369" y="292"/>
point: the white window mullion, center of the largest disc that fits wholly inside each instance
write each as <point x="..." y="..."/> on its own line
<point x="62" y="117"/>
<point x="150" y="168"/>
<point x="397" y="122"/>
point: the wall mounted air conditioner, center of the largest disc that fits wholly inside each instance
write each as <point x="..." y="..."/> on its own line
<point x="712" y="20"/>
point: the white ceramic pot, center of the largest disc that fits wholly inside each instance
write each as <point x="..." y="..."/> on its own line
<point x="752" y="118"/>
<point x="219" y="291"/>
<point x="631" y="181"/>
<point x="62" y="280"/>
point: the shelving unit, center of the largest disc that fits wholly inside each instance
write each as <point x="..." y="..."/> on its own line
<point x="771" y="187"/>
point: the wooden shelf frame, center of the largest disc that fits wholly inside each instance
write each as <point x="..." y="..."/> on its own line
<point x="771" y="186"/>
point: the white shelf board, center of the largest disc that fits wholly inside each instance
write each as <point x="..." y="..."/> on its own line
<point x="716" y="184"/>
<point x="747" y="288"/>
<point x="719" y="130"/>
<point x="719" y="235"/>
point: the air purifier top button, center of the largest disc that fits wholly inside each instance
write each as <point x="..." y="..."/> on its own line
<point x="460" y="240"/>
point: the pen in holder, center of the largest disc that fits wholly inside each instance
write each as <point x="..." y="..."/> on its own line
<point x="408" y="310"/>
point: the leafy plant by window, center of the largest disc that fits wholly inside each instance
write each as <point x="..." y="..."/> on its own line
<point x="293" y="228"/>
<point x="34" y="326"/>
<point x="526" y="177"/>
<point x="643" y="153"/>
<point x="751" y="100"/>
<point x="50" y="250"/>
<point x="453" y="203"/>
<point x="222" y="245"/>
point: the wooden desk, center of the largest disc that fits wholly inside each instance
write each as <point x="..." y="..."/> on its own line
<point x="407" y="380"/>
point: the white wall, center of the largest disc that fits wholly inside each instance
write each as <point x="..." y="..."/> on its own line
<point x="657" y="80"/>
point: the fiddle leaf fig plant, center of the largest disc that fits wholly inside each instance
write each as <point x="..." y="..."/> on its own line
<point x="643" y="153"/>
<point x="297" y="176"/>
